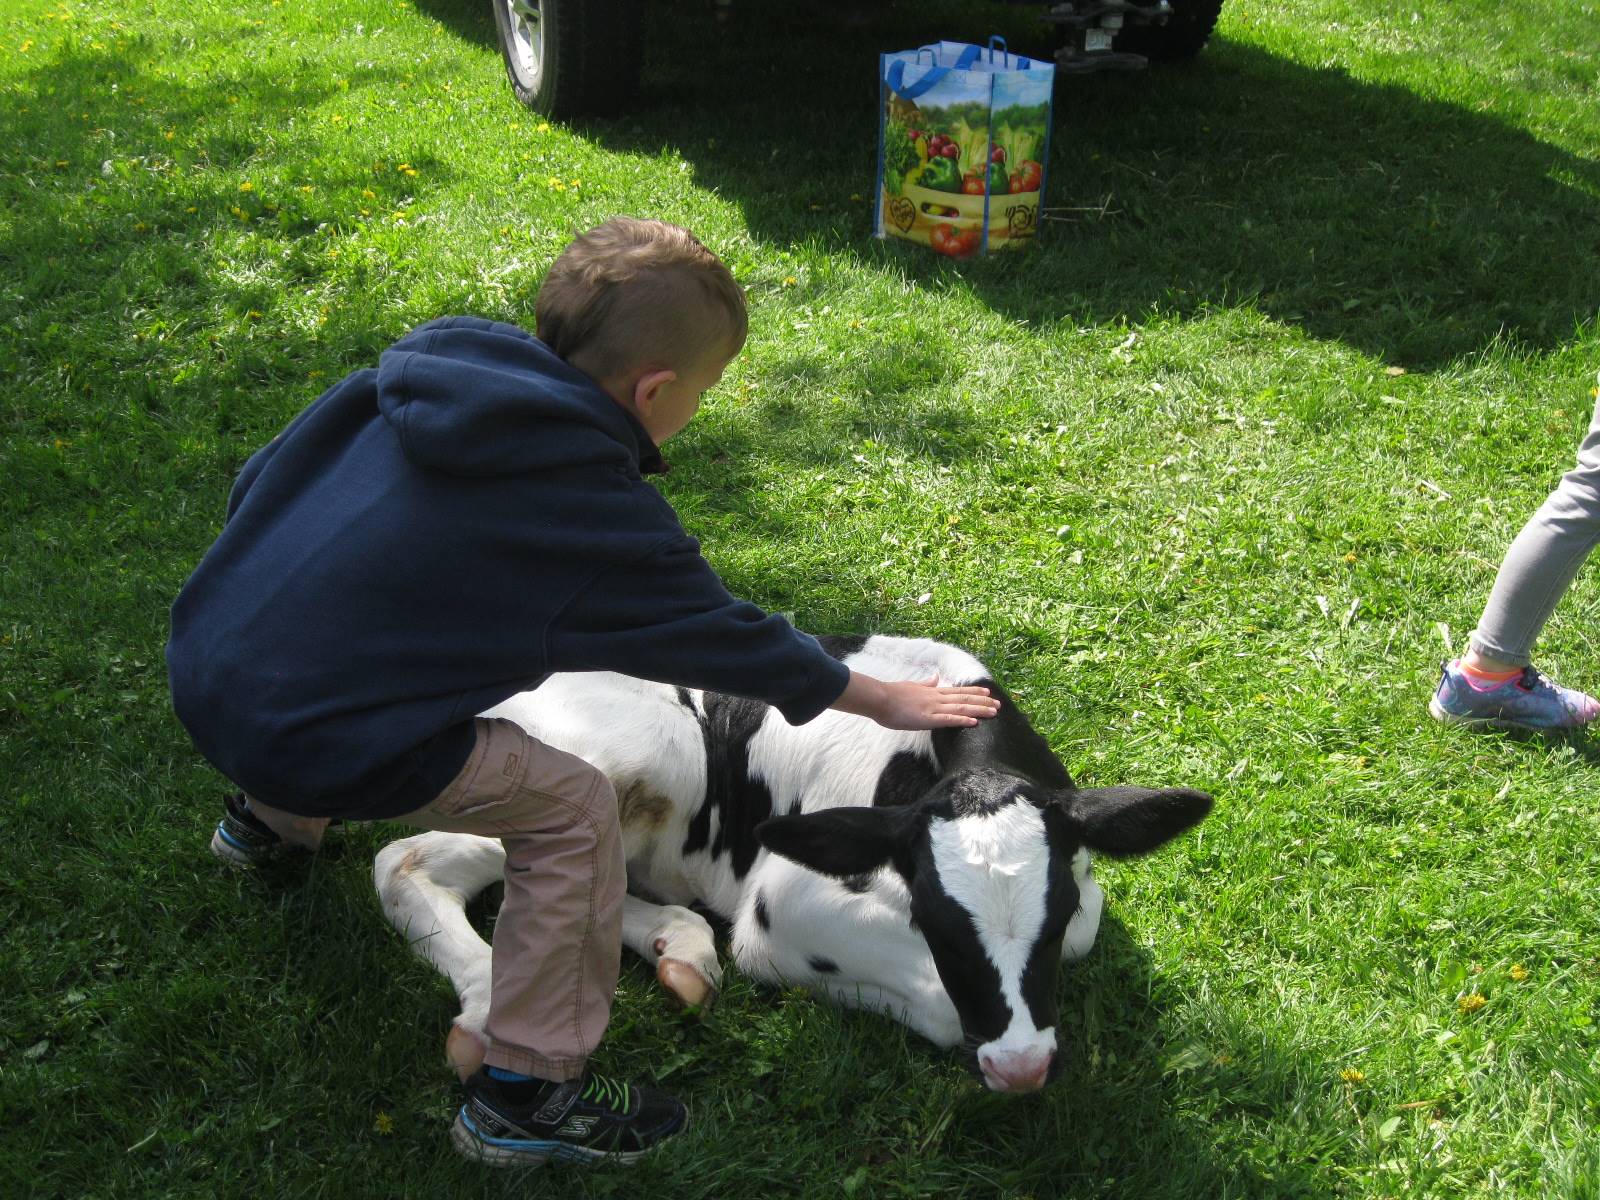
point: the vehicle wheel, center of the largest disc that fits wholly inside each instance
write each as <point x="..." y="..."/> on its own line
<point x="1185" y="32"/>
<point x="571" y="58"/>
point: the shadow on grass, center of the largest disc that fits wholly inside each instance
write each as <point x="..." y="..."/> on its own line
<point x="1149" y="1103"/>
<point x="1412" y="229"/>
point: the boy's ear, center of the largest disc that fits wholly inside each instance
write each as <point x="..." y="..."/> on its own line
<point x="648" y="386"/>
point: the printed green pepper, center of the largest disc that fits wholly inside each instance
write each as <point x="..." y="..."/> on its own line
<point x="942" y="175"/>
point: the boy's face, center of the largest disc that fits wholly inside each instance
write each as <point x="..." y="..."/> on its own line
<point x="673" y="402"/>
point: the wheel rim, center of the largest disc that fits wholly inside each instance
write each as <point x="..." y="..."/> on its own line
<point x="527" y="37"/>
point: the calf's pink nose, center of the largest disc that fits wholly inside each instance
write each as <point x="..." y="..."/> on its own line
<point x="1024" y="1072"/>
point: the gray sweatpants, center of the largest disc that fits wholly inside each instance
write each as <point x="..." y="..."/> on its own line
<point x="1543" y="559"/>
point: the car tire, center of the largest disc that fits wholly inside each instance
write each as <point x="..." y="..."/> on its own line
<point x="571" y="58"/>
<point x="1182" y="37"/>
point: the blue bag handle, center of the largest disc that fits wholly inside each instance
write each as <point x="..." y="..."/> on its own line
<point x="1022" y="63"/>
<point x="897" y="74"/>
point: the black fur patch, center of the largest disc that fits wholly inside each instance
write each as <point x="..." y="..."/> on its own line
<point x="842" y="645"/>
<point x="762" y="917"/>
<point x="822" y="966"/>
<point x="740" y="802"/>
<point x="859" y="884"/>
<point x="906" y="778"/>
<point x="1007" y="742"/>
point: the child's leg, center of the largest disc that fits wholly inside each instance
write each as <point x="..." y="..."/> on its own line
<point x="558" y="938"/>
<point x="303" y="832"/>
<point x="1541" y="563"/>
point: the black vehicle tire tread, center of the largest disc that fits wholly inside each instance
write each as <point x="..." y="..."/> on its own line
<point x="1182" y="37"/>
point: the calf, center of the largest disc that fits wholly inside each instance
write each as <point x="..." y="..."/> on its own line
<point x="936" y="877"/>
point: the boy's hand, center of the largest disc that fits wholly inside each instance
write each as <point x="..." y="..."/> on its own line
<point x="910" y="705"/>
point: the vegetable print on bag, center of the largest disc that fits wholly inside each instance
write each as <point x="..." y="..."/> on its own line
<point x="964" y="133"/>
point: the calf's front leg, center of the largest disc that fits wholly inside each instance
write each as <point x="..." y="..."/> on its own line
<point x="679" y="944"/>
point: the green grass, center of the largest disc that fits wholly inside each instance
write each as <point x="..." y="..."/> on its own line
<point x="1211" y="481"/>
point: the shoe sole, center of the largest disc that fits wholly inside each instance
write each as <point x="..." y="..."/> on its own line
<point x="493" y="1152"/>
<point x="232" y="855"/>
<point x="1439" y="713"/>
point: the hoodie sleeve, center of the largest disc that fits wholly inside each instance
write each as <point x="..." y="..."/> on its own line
<point x="668" y="618"/>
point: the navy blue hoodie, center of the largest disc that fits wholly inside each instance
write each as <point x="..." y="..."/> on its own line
<point x="429" y="538"/>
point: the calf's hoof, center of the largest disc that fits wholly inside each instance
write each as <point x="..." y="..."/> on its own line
<point x="464" y="1051"/>
<point x="685" y="984"/>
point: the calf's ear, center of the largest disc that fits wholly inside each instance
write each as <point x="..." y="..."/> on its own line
<point x="837" y="841"/>
<point x="1125" y="821"/>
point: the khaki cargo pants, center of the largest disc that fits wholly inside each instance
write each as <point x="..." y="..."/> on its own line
<point x="558" y="938"/>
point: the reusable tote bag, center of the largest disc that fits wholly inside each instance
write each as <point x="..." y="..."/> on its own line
<point x="964" y="134"/>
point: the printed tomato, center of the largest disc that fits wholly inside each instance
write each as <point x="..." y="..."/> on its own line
<point x="971" y="185"/>
<point x="954" y="242"/>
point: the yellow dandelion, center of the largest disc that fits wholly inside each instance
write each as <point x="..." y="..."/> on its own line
<point x="789" y="281"/>
<point x="384" y="1124"/>
<point x="1518" y="972"/>
<point x="170" y="134"/>
<point x="1471" y="1003"/>
<point x="306" y="187"/>
<point x="1351" y="557"/>
<point x="314" y="375"/>
<point x="254" y="314"/>
<point x="140" y="227"/>
<point x="399" y="214"/>
<point x="191" y="209"/>
<point x="408" y="170"/>
<point x="576" y="182"/>
<point x="544" y="127"/>
<point x="815" y="207"/>
<point x="368" y="194"/>
<point x="366" y="212"/>
<point x="1352" y="1075"/>
<point x="27" y="45"/>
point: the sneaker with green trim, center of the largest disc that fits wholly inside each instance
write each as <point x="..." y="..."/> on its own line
<point x="587" y="1120"/>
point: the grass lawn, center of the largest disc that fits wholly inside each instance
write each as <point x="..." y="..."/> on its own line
<point x="1212" y="480"/>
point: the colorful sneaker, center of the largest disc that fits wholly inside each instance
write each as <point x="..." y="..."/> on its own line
<point x="241" y="840"/>
<point x="1530" y="701"/>
<point x="587" y="1120"/>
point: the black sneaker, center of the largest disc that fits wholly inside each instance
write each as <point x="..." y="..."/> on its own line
<point x="241" y="840"/>
<point x="587" y="1120"/>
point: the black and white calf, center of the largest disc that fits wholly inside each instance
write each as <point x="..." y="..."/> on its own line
<point x="937" y="877"/>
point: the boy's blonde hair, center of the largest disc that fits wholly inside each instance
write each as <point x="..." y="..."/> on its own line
<point x="632" y="293"/>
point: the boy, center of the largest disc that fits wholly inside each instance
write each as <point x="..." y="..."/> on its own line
<point x="438" y="533"/>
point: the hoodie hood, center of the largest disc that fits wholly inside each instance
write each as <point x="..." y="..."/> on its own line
<point x="479" y="398"/>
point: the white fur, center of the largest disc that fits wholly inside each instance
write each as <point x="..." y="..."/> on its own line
<point x="996" y="866"/>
